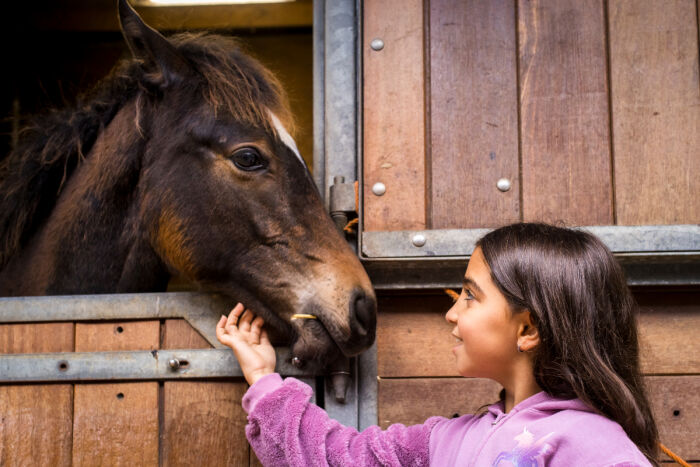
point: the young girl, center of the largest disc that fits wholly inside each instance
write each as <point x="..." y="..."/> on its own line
<point x="544" y="311"/>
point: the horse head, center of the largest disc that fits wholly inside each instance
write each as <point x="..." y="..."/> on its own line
<point x="228" y="202"/>
<point x="180" y="164"/>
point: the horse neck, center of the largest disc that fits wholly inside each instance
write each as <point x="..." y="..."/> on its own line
<point x="92" y="241"/>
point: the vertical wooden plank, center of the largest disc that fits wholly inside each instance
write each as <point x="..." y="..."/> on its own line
<point x="656" y="111"/>
<point x="203" y="422"/>
<point x="394" y="115"/>
<point x="116" y="424"/>
<point x="36" y="420"/>
<point x="473" y="114"/>
<point x="564" y="112"/>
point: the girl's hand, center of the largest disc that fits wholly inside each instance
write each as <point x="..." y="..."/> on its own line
<point x="249" y="342"/>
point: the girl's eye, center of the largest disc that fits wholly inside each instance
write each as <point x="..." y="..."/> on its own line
<point x="468" y="294"/>
<point x="248" y="159"/>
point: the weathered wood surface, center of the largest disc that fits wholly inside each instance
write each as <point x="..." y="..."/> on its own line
<point x="411" y="401"/>
<point x="408" y="325"/>
<point x="590" y="108"/>
<point x="656" y="111"/>
<point x="668" y="332"/>
<point x="473" y="114"/>
<point x="413" y="337"/>
<point x="203" y="422"/>
<point x="676" y="404"/>
<point x="394" y="115"/>
<point x="116" y="424"/>
<point x="36" y="420"/>
<point x="564" y="112"/>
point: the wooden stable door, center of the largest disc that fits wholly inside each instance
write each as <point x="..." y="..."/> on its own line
<point x="480" y="113"/>
<point x="147" y="423"/>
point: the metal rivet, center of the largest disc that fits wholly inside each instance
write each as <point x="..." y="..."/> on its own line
<point x="379" y="188"/>
<point x="174" y="364"/>
<point x="503" y="184"/>
<point x="418" y="239"/>
<point x="377" y="44"/>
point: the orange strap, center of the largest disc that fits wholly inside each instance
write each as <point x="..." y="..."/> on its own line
<point x="348" y="226"/>
<point x="452" y="294"/>
<point x="673" y="456"/>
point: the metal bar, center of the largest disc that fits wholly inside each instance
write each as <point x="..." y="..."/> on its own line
<point x="367" y="387"/>
<point x="460" y="242"/>
<point x="319" y="161"/>
<point x="440" y="273"/>
<point x="202" y="311"/>
<point x="126" y="366"/>
<point x="340" y="99"/>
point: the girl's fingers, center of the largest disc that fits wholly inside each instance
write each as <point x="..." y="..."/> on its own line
<point x="235" y="313"/>
<point x="255" y="328"/>
<point x="264" y="338"/>
<point x="221" y="334"/>
<point x="245" y="320"/>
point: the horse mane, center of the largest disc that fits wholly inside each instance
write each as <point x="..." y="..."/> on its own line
<point x="53" y="145"/>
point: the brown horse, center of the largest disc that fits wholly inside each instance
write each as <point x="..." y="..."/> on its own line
<point x="179" y="164"/>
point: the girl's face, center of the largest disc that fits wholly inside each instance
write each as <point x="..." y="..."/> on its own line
<point x="485" y="327"/>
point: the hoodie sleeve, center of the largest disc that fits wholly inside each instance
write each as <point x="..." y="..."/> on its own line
<point x="285" y="429"/>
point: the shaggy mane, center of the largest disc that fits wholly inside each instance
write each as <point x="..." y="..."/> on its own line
<point x="50" y="148"/>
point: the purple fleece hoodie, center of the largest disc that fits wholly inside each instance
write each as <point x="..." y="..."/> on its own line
<point x="284" y="428"/>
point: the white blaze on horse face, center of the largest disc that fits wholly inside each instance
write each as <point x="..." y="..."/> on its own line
<point x="285" y="136"/>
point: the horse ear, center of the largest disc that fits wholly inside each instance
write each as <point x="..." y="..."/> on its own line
<point x="159" y="57"/>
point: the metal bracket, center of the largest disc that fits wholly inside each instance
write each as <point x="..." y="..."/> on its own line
<point x="342" y="201"/>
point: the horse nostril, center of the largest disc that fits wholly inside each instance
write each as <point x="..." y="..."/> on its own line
<point x="364" y="310"/>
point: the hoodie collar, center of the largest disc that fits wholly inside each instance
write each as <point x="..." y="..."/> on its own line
<point x="543" y="402"/>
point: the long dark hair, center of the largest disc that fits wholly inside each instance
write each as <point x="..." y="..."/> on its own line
<point x="578" y="297"/>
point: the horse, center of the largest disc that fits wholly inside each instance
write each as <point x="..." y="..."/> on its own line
<point x="179" y="163"/>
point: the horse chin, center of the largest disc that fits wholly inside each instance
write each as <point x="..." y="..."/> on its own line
<point x="314" y="348"/>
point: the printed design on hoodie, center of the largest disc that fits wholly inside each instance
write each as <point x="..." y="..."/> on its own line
<point x="528" y="452"/>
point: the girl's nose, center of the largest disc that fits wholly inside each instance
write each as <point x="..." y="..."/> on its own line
<point x="451" y="315"/>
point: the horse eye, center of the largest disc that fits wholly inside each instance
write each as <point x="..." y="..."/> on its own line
<point x="248" y="159"/>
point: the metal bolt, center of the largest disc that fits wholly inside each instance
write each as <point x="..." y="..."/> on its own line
<point x="377" y="44"/>
<point x="297" y="362"/>
<point x="418" y="240"/>
<point x="174" y="364"/>
<point x="503" y="184"/>
<point x="379" y="188"/>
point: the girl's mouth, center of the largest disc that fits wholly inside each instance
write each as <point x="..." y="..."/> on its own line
<point x="459" y="343"/>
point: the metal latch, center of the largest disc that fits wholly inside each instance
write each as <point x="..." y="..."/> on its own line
<point x="342" y="202"/>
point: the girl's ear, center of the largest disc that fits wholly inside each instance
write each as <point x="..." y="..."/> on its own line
<point x="528" y="336"/>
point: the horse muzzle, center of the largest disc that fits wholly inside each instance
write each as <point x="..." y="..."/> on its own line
<point x="331" y="332"/>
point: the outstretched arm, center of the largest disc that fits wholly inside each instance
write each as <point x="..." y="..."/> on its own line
<point x="285" y="428"/>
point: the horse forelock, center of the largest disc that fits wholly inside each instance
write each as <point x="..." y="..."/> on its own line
<point x="235" y="83"/>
